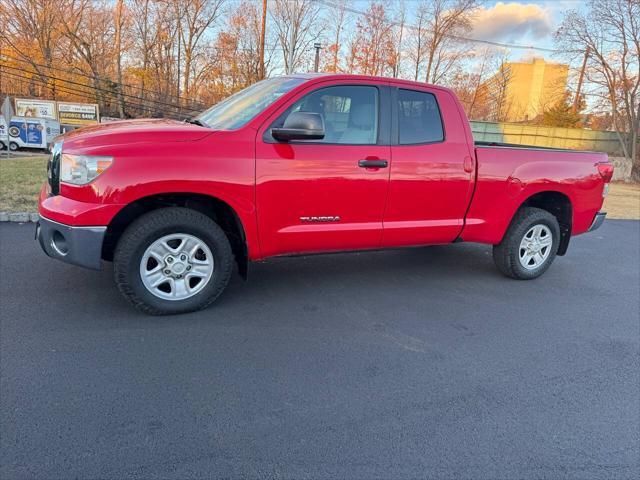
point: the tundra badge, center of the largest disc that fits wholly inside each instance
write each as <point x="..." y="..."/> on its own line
<point x="320" y="219"/>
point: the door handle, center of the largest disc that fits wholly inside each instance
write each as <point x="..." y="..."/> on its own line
<point x="467" y="164"/>
<point x="373" y="163"/>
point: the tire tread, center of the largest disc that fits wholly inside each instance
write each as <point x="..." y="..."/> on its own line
<point x="157" y="220"/>
<point x="505" y="254"/>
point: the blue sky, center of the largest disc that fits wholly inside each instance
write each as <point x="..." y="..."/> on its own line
<point x="530" y="22"/>
<point x="521" y="22"/>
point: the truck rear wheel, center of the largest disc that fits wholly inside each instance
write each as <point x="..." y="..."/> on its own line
<point x="172" y="260"/>
<point x="529" y="246"/>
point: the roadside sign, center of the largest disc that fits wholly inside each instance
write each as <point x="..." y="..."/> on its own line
<point x="78" y="113"/>
<point x="36" y="108"/>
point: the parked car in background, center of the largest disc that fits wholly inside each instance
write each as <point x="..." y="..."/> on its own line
<point x="305" y="164"/>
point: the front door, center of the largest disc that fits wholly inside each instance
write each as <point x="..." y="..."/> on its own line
<point x="315" y="196"/>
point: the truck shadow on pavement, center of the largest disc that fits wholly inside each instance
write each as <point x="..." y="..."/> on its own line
<point x="378" y="276"/>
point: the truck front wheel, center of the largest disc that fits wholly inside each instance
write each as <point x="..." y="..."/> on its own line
<point x="172" y="260"/>
<point x="529" y="246"/>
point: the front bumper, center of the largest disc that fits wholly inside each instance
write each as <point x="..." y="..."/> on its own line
<point x="598" y="220"/>
<point x="76" y="245"/>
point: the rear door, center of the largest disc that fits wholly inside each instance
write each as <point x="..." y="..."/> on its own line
<point x="431" y="177"/>
<point x="321" y="195"/>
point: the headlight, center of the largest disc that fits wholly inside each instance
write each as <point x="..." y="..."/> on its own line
<point x="82" y="169"/>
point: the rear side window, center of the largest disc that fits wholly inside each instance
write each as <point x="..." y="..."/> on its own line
<point x="419" y="118"/>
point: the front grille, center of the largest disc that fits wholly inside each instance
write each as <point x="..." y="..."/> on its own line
<point x="53" y="169"/>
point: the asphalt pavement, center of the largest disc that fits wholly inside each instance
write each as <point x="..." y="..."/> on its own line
<point x="419" y="363"/>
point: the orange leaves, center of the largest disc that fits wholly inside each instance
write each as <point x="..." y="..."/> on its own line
<point x="372" y="50"/>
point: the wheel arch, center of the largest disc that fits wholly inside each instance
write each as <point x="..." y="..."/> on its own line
<point x="559" y="205"/>
<point x="218" y="210"/>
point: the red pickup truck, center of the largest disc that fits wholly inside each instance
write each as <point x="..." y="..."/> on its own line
<point x="304" y="164"/>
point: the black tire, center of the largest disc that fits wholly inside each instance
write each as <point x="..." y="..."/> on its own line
<point x="506" y="254"/>
<point x="13" y="146"/>
<point x="149" y="228"/>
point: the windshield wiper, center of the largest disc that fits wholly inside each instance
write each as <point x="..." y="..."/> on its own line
<point x="195" y="121"/>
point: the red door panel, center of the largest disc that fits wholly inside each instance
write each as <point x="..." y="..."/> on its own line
<point x="430" y="183"/>
<point x="295" y="182"/>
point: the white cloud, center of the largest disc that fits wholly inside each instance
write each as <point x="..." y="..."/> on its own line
<point x="511" y="22"/>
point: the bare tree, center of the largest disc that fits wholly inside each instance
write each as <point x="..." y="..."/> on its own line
<point x="417" y="40"/>
<point x="372" y="48"/>
<point x="141" y="12"/>
<point x="88" y="29"/>
<point x="469" y="86"/>
<point x="297" y="24"/>
<point x="336" y="20"/>
<point x="496" y="91"/>
<point x="611" y="32"/>
<point x="196" y="18"/>
<point x="400" y="28"/>
<point x="435" y="42"/>
<point x="236" y="60"/>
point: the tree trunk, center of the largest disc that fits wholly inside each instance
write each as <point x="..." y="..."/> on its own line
<point x="635" y="156"/>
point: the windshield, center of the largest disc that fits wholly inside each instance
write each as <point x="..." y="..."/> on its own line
<point x="241" y="107"/>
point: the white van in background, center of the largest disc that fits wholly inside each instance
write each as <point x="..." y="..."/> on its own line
<point x="4" y="134"/>
<point x="28" y="132"/>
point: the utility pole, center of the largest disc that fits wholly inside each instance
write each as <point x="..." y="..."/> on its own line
<point x="118" y="40"/>
<point x="316" y="64"/>
<point x="179" y="33"/>
<point x="262" y="36"/>
<point x="292" y="50"/>
<point x="576" y="101"/>
<point x="396" y="66"/>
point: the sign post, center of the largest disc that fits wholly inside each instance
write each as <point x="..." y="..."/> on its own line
<point x="7" y="113"/>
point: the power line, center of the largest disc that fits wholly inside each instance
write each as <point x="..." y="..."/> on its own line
<point x="89" y="95"/>
<point x="72" y="91"/>
<point x="142" y="89"/>
<point x="104" y="90"/>
<point x="331" y="4"/>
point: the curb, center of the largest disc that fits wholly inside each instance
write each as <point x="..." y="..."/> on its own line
<point x="19" y="217"/>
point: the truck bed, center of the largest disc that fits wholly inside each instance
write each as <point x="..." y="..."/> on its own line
<point x="508" y="174"/>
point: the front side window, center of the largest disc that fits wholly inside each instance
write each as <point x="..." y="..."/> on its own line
<point x="350" y="113"/>
<point x="419" y="118"/>
<point x="241" y="107"/>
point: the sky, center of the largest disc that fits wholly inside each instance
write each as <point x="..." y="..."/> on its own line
<point x="531" y="22"/>
<point x="516" y="22"/>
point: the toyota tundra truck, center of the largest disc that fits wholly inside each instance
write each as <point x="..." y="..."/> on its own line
<point x="305" y="164"/>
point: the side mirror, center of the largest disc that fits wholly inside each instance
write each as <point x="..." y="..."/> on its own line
<point x="300" y="126"/>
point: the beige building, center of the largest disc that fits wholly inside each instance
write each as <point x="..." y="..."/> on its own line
<point x="521" y="91"/>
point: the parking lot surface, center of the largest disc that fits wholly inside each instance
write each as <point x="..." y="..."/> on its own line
<point x="420" y="363"/>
